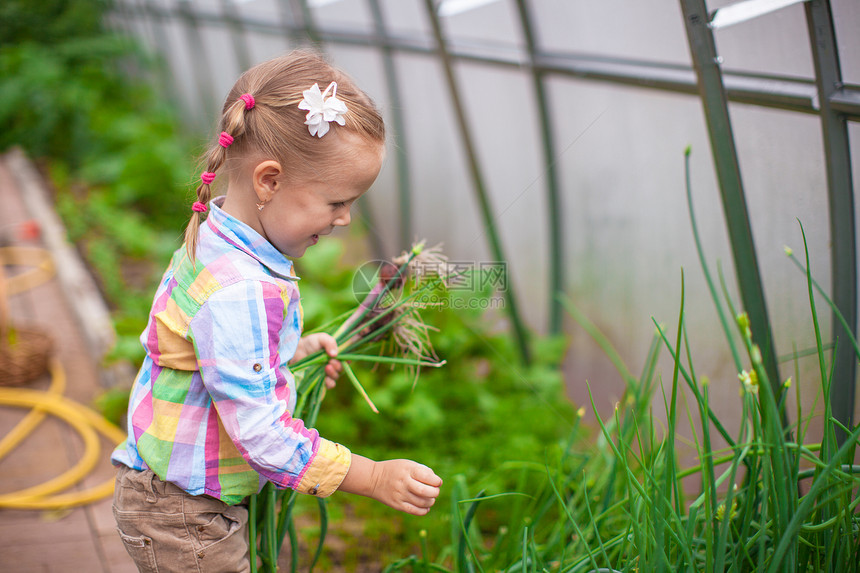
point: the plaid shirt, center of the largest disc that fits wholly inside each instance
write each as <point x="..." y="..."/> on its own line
<point x="211" y="408"/>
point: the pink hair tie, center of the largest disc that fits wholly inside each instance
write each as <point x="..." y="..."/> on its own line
<point x="198" y="207"/>
<point x="248" y="99"/>
<point x="225" y="139"/>
<point x="207" y="177"/>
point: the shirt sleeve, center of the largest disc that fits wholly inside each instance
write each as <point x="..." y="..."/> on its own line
<point x="242" y="335"/>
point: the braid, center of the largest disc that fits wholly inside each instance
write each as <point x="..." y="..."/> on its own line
<point x="233" y="125"/>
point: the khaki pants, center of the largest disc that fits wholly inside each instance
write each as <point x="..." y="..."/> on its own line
<point x="166" y="529"/>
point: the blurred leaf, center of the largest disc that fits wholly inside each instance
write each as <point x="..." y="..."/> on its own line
<point x="113" y="404"/>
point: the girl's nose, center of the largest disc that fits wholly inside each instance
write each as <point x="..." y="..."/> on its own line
<point x="343" y="219"/>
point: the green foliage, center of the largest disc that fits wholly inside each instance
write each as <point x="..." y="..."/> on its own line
<point x="470" y="418"/>
<point x="113" y="405"/>
<point x="49" y="21"/>
<point x="771" y="500"/>
<point x="72" y="95"/>
<point x="483" y="405"/>
<point x="326" y="284"/>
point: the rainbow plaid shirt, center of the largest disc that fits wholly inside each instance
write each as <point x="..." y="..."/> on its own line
<point x="211" y="408"/>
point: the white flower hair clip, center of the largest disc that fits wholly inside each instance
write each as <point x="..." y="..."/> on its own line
<point x="322" y="110"/>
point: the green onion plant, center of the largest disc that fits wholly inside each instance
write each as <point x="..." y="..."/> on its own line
<point x="361" y="337"/>
<point x="763" y="498"/>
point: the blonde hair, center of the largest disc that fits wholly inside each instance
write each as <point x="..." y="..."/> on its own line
<point x="274" y="127"/>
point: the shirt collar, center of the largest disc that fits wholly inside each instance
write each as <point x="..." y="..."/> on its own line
<point x="246" y="239"/>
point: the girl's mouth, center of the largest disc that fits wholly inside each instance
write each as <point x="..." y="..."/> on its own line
<point x="315" y="238"/>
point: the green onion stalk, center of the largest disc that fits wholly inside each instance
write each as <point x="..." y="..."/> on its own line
<point x="358" y="338"/>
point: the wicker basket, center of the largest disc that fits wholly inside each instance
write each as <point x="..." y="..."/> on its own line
<point x="25" y="354"/>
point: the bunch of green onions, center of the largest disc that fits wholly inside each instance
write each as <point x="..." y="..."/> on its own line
<point x="271" y="520"/>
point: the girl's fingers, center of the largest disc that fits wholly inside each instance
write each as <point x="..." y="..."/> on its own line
<point x="424" y="491"/>
<point x="425" y="475"/>
<point x="332" y="371"/>
<point x="427" y="502"/>
<point x="421" y="496"/>
<point x="416" y="505"/>
<point x="414" y="510"/>
<point x="329" y="344"/>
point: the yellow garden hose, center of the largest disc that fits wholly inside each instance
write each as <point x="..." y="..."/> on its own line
<point x="35" y="417"/>
<point x="39" y="259"/>
<point x="41" y="403"/>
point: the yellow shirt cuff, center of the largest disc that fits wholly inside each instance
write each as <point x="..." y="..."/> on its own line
<point x="327" y="470"/>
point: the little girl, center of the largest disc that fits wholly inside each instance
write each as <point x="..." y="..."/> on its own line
<point x="209" y="417"/>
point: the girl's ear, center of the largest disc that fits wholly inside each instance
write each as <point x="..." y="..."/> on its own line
<point x="267" y="179"/>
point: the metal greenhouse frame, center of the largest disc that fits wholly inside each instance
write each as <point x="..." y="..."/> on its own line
<point x="826" y="96"/>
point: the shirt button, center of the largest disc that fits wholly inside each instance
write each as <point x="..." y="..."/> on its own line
<point x="258" y="367"/>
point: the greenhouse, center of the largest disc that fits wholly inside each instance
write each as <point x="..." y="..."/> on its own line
<point x="594" y="263"/>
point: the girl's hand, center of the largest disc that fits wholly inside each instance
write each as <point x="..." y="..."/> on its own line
<point x="321" y="341"/>
<point x="406" y="486"/>
<point x="401" y="484"/>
